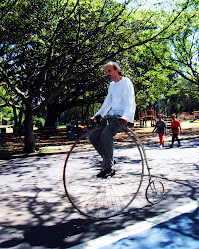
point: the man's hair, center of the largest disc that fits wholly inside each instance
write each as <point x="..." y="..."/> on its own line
<point x="115" y="66"/>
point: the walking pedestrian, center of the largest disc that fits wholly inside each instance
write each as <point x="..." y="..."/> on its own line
<point x="175" y="129"/>
<point x="160" y="129"/>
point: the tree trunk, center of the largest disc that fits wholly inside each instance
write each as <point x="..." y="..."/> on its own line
<point x="52" y="115"/>
<point x="166" y="106"/>
<point x="29" y="139"/>
<point x="20" y="122"/>
<point x="15" y="116"/>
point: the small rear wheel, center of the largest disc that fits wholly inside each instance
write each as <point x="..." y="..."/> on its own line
<point x="154" y="192"/>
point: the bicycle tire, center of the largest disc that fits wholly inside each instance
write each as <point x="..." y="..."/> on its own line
<point x="154" y="192"/>
<point x="97" y="197"/>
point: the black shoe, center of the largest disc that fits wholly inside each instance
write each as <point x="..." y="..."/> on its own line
<point x="179" y="145"/>
<point x="171" y="146"/>
<point x="106" y="173"/>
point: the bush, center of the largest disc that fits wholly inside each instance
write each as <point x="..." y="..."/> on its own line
<point x="39" y="122"/>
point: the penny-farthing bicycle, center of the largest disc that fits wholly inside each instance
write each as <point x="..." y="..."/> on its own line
<point x="103" y="198"/>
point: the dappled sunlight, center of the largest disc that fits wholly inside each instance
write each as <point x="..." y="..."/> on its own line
<point x="36" y="212"/>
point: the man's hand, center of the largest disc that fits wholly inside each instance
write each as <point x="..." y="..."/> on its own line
<point x="122" y="121"/>
<point x="91" y="120"/>
<point x="94" y="119"/>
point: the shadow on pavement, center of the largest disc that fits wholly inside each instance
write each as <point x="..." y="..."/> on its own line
<point x="36" y="212"/>
<point x="47" y="236"/>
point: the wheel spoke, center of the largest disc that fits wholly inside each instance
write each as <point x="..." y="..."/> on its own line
<point x="98" y="197"/>
<point x="155" y="192"/>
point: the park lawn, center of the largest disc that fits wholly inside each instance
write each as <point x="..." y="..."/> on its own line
<point x="185" y="125"/>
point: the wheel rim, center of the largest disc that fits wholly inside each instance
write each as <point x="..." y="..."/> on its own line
<point x="155" y="192"/>
<point x="103" y="198"/>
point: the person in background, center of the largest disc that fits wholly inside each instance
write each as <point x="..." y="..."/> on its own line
<point x="175" y="129"/>
<point x="160" y="128"/>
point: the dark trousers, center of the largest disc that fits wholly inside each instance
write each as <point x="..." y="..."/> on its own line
<point x="175" y="136"/>
<point x="102" y="140"/>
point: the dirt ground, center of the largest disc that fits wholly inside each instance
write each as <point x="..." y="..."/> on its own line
<point x="57" y="141"/>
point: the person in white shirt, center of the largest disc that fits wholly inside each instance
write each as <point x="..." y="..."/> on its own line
<point x="120" y="106"/>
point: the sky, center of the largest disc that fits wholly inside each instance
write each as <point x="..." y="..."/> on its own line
<point x="152" y="4"/>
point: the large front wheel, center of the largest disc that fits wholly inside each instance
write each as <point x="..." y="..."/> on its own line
<point x="97" y="197"/>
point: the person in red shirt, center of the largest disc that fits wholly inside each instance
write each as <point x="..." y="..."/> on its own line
<point x="175" y="128"/>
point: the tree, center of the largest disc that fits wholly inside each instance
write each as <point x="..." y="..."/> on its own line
<point x="47" y="45"/>
<point x="181" y="56"/>
<point x="146" y="22"/>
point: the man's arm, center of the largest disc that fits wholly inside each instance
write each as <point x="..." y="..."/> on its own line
<point x="129" y="101"/>
<point x="106" y="105"/>
<point x="180" y="126"/>
<point x="122" y="121"/>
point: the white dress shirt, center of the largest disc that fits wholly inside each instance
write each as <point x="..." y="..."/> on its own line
<point x="120" y="100"/>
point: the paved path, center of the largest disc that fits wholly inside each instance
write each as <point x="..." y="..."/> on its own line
<point x="35" y="213"/>
<point x="178" y="228"/>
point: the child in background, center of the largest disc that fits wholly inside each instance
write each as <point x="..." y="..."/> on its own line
<point x="160" y="128"/>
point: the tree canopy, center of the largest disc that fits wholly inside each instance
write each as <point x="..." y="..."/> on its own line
<point x="51" y="51"/>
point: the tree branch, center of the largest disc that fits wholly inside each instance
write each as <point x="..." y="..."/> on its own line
<point x="11" y="85"/>
<point x="9" y="103"/>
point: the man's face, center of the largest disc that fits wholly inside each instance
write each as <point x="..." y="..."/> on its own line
<point x="111" y="74"/>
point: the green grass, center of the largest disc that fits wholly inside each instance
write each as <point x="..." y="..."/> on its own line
<point x="15" y="148"/>
<point x="61" y="126"/>
<point x="45" y="150"/>
<point x="186" y="124"/>
<point x="8" y="148"/>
